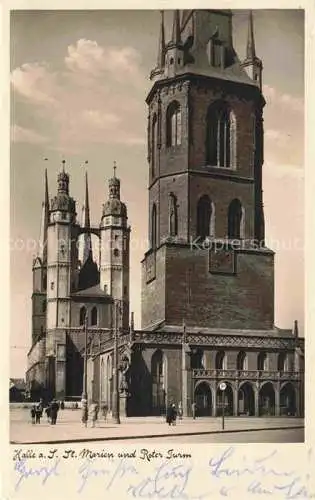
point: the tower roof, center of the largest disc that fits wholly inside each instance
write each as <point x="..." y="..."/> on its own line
<point x="250" y="49"/>
<point x="200" y="33"/>
<point x="176" y="28"/>
<point x="161" y="46"/>
<point x="114" y="206"/>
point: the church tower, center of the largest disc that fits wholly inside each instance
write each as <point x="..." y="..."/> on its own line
<point x="39" y="269"/>
<point x="114" y="249"/>
<point x="61" y="269"/>
<point x="207" y="264"/>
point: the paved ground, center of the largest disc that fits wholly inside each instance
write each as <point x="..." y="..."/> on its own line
<point x="70" y="429"/>
<point x="262" y="436"/>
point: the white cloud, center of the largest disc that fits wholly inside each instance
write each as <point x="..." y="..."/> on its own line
<point x="35" y="82"/>
<point x="286" y="101"/>
<point x="274" y="169"/>
<point x="87" y="56"/>
<point x="95" y="98"/>
<point x="278" y="137"/>
<point x="21" y="134"/>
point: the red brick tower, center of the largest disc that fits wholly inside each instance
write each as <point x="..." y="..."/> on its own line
<point x="207" y="264"/>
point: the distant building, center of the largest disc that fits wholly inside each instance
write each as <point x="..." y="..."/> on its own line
<point x="17" y="390"/>
<point x="208" y="277"/>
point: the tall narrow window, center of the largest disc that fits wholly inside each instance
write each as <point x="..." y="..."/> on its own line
<point x="158" y="390"/>
<point x="173" y="125"/>
<point x="220" y="361"/>
<point x="173" y="219"/>
<point x="204" y="218"/>
<point x="153" y="227"/>
<point x="154" y="144"/>
<point x="235" y="220"/>
<point x="94" y="316"/>
<point x="262" y="361"/>
<point x="82" y="315"/>
<point x="221" y="136"/>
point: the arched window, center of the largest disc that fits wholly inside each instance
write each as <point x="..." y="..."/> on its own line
<point x="157" y="372"/>
<point x="242" y="361"/>
<point x="173" y="219"/>
<point x="282" y="362"/>
<point x="262" y="361"/>
<point x="221" y="137"/>
<point x="205" y="217"/>
<point x="173" y="125"/>
<point x="153" y="227"/>
<point x="82" y="315"/>
<point x="236" y="220"/>
<point x="220" y="361"/>
<point x="154" y="144"/>
<point x="94" y="316"/>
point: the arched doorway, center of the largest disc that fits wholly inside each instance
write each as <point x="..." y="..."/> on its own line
<point x="226" y="398"/>
<point x="203" y="400"/>
<point x="267" y="400"/>
<point x="287" y="400"/>
<point x="246" y="400"/>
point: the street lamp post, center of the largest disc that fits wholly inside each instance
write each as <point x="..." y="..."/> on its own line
<point x="116" y="409"/>
<point x="84" y="393"/>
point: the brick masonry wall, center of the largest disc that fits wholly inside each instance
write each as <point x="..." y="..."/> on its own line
<point x="153" y="293"/>
<point x="244" y="300"/>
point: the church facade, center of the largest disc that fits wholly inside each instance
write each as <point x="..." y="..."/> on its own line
<point x="208" y="277"/>
<point x="70" y="291"/>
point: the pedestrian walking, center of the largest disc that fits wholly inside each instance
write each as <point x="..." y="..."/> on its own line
<point x="38" y="413"/>
<point x="47" y="411"/>
<point x="105" y="412"/>
<point x="180" y="411"/>
<point x="33" y="414"/>
<point x="54" y="408"/>
<point x="194" y="410"/>
<point x="93" y="413"/>
<point x="169" y="413"/>
<point x="174" y="414"/>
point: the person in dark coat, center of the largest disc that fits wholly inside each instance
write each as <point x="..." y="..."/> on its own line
<point x="33" y="414"/>
<point x="54" y="408"/>
<point x="169" y="414"/>
<point x="47" y="411"/>
<point x="38" y="413"/>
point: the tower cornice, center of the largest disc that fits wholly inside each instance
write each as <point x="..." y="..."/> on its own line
<point x="249" y="89"/>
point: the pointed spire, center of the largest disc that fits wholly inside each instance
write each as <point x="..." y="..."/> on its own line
<point x="87" y="240"/>
<point x="161" y="48"/>
<point x="114" y="168"/>
<point x="176" y="28"/>
<point x="44" y="222"/>
<point x="63" y="166"/>
<point x="250" y="51"/>
<point x="87" y="205"/>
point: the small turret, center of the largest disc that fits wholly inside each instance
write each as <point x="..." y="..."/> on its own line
<point x="114" y="206"/>
<point x="252" y="64"/>
<point x="174" y="55"/>
<point x="159" y="69"/>
<point x="62" y="203"/>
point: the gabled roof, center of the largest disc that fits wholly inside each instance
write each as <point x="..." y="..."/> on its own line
<point x="93" y="291"/>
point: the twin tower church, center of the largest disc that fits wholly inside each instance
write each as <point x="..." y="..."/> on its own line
<point x="207" y="279"/>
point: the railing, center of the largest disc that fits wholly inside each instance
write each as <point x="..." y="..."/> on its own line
<point x="246" y="374"/>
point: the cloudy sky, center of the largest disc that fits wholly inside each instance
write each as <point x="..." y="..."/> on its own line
<point x="79" y="81"/>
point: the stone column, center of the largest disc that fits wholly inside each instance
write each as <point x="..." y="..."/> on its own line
<point x="123" y="404"/>
<point x="186" y="381"/>
<point x="277" y="400"/>
<point x="60" y="380"/>
<point x="256" y="402"/>
<point x="235" y="401"/>
<point x="214" y="391"/>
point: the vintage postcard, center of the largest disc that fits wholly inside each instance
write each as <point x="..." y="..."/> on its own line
<point x="159" y="314"/>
